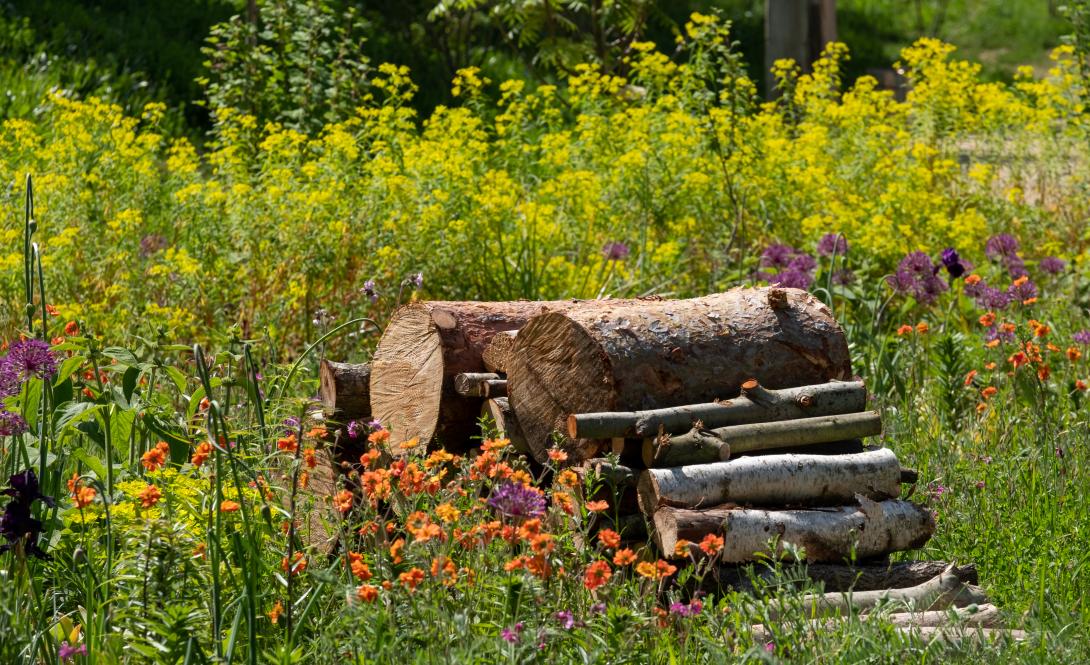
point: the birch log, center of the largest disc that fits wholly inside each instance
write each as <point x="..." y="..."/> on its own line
<point x="838" y="576"/>
<point x="653" y="354"/>
<point x="475" y="384"/>
<point x="974" y="616"/>
<point x="827" y="535"/>
<point x="702" y="446"/>
<point x="424" y="347"/>
<point x="497" y="352"/>
<point x="824" y="399"/>
<point x="774" y="480"/>
<point x="499" y="411"/>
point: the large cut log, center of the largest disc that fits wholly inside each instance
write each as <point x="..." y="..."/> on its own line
<point x="774" y="480"/>
<point x="344" y="390"/>
<point x="837" y="577"/>
<point x="824" y="399"/>
<point x="940" y="592"/>
<point x="497" y="352"/>
<point x="652" y="354"/>
<point x="424" y="347"/>
<point x="827" y="535"/>
<point x="702" y="446"/>
<point x="498" y="410"/>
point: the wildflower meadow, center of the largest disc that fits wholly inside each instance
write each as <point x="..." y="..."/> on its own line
<point x="166" y="301"/>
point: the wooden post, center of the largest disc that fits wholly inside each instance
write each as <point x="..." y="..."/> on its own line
<point x="787" y="30"/>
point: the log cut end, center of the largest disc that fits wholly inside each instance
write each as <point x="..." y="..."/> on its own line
<point x="344" y="390"/>
<point x="407" y="374"/>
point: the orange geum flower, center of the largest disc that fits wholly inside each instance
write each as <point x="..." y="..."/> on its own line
<point x="155" y="458"/>
<point x="990" y="366"/>
<point x="646" y="569"/>
<point x="310" y="457"/>
<point x="1007" y="328"/>
<point x="596" y="575"/>
<point x="442" y="568"/>
<point x="565" y="502"/>
<point x="369" y="458"/>
<point x="624" y="557"/>
<point x="922" y="328"/>
<point x="530" y="528"/>
<point x="1080" y="385"/>
<point x="665" y="568"/>
<point x="1018" y="359"/>
<point x="298" y="563"/>
<point x="395" y="550"/>
<point x="379" y="436"/>
<point x="410" y="444"/>
<point x="711" y="544"/>
<point x="904" y="330"/>
<point x="1043" y="372"/>
<point x="989" y="392"/>
<point x="201" y="454"/>
<point x="447" y="513"/>
<point x="981" y="407"/>
<point x="228" y="506"/>
<point x="317" y="432"/>
<point x="288" y="443"/>
<point x="972" y="279"/>
<point x="71" y="328"/>
<point x="558" y="455"/>
<point x="681" y="548"/>
<point x="987" y="319"/>
<point x="969" y="377"/>
<point x="543" y="543"/>
<point x="342" y="501"/>
<point x="367" y="592"/>
<point x="358" y="566"/>
<point x="991" y="344"/>
<point x="597" y="506"/>
<point x="83" y="496"/>
<point x="1073" y="353"/>
<point x="517" y="563"/>
<point x="495" y="444"/>
<point x="1021" y="280"/>
<point x="412" y="578"/>
<point x="275" y="612"/>
<point x="567" y="478"/>
<point x="149" y="496"/>
<point x="609" y="538"/>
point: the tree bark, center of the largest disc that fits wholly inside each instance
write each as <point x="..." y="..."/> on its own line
<point x="344" y="390"/>
<point x="499" y="410"/>
<point x="653" y="354"/>
<point x="966" y="619"/>
<point x="706" y="446"/>
<point x="802" y="402"/>
<point x="424" y="347"/>
<point x="774" y="480"/>
<point x="496" y="354"/>
<point x="840" y="577"/>
<point x="827" y="535"/>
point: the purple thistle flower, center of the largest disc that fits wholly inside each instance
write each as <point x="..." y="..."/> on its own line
<point x="1050" y="265"/>
<point x="832" y="243"/>
<point x="778" y="256"/>
<point x="31" y="357"/>
<point x="1082" y="337"/>
<point x="615" y="251"/>
<point x="67" y="651"/>
<point x="511" y="635"/>
<point x="354" y="429"/>
<point x="916" y="276"/>
<point x="952" y="262"/>
<point x="1001" y="246"/>
<point x="517" y="500"/>
<point x="11" y="424"/>
<point x="1022" y="292"/>
<point x="369" y="290"/>
<point x="565" y="618"/>
<point x="16" y="522"/>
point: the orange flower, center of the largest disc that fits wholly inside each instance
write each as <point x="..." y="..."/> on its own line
<point x="298" y="563"/>
<point x="395" y="550"/>
<point x="530" y="528"/>
<point x="71" y="328"/>
<point x="973" y="279"/>
<point x="443" y="569"/>
<point x="410" y="444"/>
<point x="495" y="444"/>
<point x="275" y="612"/>
<point x="904" y="330"/>
<point x="310" y="458"/>
<point x="681" y="548"/>
<point x="1040" y="330"/>
<point x="567" y="478"/>
<point x="317" y="432"/>
<point x="665" y="568"/>
<point x="565" y="502"/>
<point x="543" y="543"/>
<point x="1073" y="353"/>
<point x="990" y="366"/>
<point x="288" y="444"/>
<point x="1021" y="280"/>
<point x="369" y="458"/>
<point x="1080" y="385"/>
<point x="149" y="496"/>
<point x="358" y="566"/>
<point x="609" y="538"/>
<point x="1043" y="372"/>
<point x="981" y="408"/>
<point x="155" y="458"/>
<point x="379" y="436"/>
<point x="624" y="557"/>
<point x="228" y="506"/>
<point x="597" y="574"/>
<point x="412" y="578"/>
<point x="342" y="501"/>
<point x="597" y="506"/>
<point x="1008" y="328"/>
<point x="992" y="344"/>
<point x="711" y="544"/>
<point x="82" y="495"/>
<point x="367" y="593"/>
<point x="969" y="377"/>
<point x="646" y="569"/>
<point x="201" y="454"/>
<point x="558" y="455"/>
<point x="51" y="310"/>
<point x="987" y="319"/>
<point x="447" y="513"/>
<point x="922" y="327"/>
<point x="1018" y="359"/>
<point x="988" y="392"/>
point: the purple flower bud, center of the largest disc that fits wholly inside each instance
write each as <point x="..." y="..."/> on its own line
<point x="832" y="243"/>
<point x="1050" y="265"/>
<point x="952" y="262"/>
<point x="1001" y="246"/>
<point x="369" y="290"/>
<point x="1082" y="337"/>
<point x="615" y="251"/>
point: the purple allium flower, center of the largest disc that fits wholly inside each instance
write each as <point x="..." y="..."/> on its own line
<point x="67" y="651"/>
<point x="9" y="379"/>
<point x="802" y="262"/>
<point x="988" y="298"/>
<point x="369" y="290"/>
<point x="1001" y="246"/>
<point x="1082" y="337"/>
<point x="1050" y="265"/>
<point x="16" y="521"/>
<point x="615" y="251"/>
<point x="150" y="244"/>
<point x="1022" y="292"/>
<point x="843" y="277"/>
<point x="565" y="619"/>
<point x="952" y="262"/>
<point x="994" y="333"/>
<point x="793" y="279"/>
<point x="11" y="424"/>
<point x="916" y="277"/>
<point x="832" y="243"/>
<point x="375" y="425"/>
<point x="1016" y="267"/>
<point x="31" y="357"/>
<point x="517" y="500"/>
<point x="778" y="256"/>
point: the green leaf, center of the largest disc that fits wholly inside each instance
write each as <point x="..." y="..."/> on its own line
<point x="90" y="461"/>
<point x="128" y="382"/>
<point x="177" y="377"/>
<point x="123" y="356"/>
<point x="68" y="368"/>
